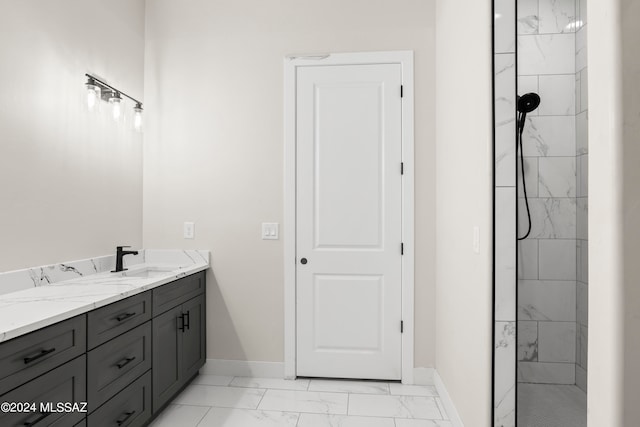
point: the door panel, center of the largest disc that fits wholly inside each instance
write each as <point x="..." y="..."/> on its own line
<point x="348" y="221"/>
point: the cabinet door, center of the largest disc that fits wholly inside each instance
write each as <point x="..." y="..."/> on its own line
<point x="193" y="340"/>
<point x="167" y="356"/>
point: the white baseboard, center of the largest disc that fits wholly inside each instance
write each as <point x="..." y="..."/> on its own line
<point x="243" y="368"/>
<point x="423" y="376"/>
<point x="452" y="412"/>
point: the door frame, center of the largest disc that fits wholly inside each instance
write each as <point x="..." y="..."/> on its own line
<point x="291" y="63"/>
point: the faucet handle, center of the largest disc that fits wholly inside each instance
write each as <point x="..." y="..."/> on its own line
<point x="119" y="248"/>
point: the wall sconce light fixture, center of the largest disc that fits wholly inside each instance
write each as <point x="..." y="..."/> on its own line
<point x="98" y="90"/>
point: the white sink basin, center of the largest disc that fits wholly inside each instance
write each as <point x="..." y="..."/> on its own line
<point x="150" y="272"/>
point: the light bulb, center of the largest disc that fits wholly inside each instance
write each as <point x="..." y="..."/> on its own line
<point x="93" y="96"/>
<point x="116" y="106"/>
<point x="137" y="117"/>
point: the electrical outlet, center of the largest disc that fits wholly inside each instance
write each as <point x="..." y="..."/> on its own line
<point x="270" y="231"/>
<point x="189" y="230"/>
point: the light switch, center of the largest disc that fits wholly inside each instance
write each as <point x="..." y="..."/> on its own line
<point x="189" y="230"/>
<point x="270" y="231"/>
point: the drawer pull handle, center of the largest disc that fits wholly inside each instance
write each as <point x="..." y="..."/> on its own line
<point x="36" y="421"/>
<point x="125" y="362"/>
<point x="188" y="320"/>
<point x="127" y="415"/>
<point x="125" y="316"/>
<point x="181" y="327"/>
<point x="42" y="353"/>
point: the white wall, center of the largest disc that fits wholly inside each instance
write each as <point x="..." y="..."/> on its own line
<point x="614" y="208"/>
<point x="70" y="183"/>
<point x="464" y="200"/>
<point x="214" y="145"/>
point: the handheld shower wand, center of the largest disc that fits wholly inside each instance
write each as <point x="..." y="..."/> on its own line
<point x="525" y="104"/>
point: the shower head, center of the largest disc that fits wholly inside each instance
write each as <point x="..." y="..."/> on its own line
<point x="528" y="102"/>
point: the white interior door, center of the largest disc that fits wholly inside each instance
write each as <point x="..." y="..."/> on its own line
<point x="349" y="221"/>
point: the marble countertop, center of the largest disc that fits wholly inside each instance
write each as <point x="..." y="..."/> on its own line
<point x="30" y="309"/>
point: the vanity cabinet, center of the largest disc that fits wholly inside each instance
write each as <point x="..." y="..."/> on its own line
<point x="66" y="383"/>
<point x="29" y="356"/>
<point x="126" y="360"/>
<point x="178" y="338"/>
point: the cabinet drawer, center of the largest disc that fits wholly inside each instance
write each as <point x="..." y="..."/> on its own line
<point x="31" y="355"/>
<point x="129" y="408"/>
<point x="175" y="293"/>
<point x="114" y="319"/>
<point x="115" y="364"/>
<point x="65" y="384"/>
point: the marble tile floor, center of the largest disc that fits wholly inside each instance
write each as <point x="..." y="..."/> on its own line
<point x="217" y="401"/>
<point x="549" y="405"/>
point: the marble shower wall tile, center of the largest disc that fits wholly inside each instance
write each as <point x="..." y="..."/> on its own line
<point x="557" y="259"/>
<point x="505" y="207"/>
<point x="549" y="136"/>
<point x="557" y="16"/>
<point x="584" y="91"/>
<point x="546" y="54"/>
<point x="547" y="300"/>
<point x="528" y="259"/>
<point x="557" y="342"/>
<point x="505" y="380"/>
<point x="505" y="154"/>
<point x="557" y="177"/>
<point x="557" y="95"/>
<point x="583" y="175"/>
<point x="505" y="116"/>
<point x="584" y="261"/>
<point x="582" y="226"/>
<point x="528" y="19"/>
<point x="504" y="26"/>
<point x="546" y="373"/>
<point x="584" y="344"/>
<point x="581" y="378"/>
<point x="582" y="133"/>
<point x="581" y="49"/>
<point x="582" y="304"/>
<point x="528" y="341"/>
<point x="528" y="84"/>
<point x="551" y="218"/>
<point x="505" y="261"/>
<point x="530" y="176"/>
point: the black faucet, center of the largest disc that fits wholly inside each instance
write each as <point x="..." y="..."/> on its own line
<point x="120" y="253"/>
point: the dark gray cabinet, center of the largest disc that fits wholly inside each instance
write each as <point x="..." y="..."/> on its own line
<point x="118" y="362"/>
<point x="179" y="345"/>
<point x="129" y="408"/>
<point x="64" y="384"/>
<point x="114" y="319"/>
<point x="31" y="355"/>
<point x="126" y="360"/>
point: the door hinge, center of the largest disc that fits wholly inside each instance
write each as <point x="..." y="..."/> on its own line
<point x="401" y="248"/>
<point x="401" y="91"/>
<point x="402" y="168"/>
<point x="401" y="326"/>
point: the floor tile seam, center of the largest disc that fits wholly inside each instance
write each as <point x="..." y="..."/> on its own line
<point x="261" y="398"/>
<point x="204" y="416"/>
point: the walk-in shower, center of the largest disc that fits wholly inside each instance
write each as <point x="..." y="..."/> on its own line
<point x="540" y="212"/>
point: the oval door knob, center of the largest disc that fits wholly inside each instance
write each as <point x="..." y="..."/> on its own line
<point x="303" y="261"/>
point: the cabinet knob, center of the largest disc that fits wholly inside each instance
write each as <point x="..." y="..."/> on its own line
<point x="303" y="261"/>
